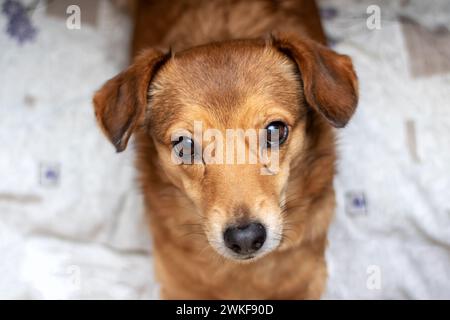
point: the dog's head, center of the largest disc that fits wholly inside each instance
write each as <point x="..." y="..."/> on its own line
<point x="229" y="125"/>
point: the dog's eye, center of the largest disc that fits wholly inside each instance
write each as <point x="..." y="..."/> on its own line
<point x="184" y="148"/>
<point x="277" y="133"/>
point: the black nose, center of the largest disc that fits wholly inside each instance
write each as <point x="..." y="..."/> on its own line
<point x="245" y="238"/>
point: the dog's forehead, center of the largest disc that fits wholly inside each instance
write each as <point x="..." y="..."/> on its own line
<point x="220" y="79"/>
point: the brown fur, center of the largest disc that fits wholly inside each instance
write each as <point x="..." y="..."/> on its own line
<point x="233" y="84"/>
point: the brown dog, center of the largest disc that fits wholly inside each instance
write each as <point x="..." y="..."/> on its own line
<point x="228" y="230"/>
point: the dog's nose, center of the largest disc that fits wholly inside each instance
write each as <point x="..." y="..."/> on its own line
<point x="245" y="238"/>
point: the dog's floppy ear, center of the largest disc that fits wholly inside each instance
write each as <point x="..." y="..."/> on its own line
<point x="120" y="104"/>
<point x="329" y="81"/>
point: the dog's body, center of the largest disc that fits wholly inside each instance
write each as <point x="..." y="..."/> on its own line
<point x="184" y="24"/>
<point x="232" y="84"/>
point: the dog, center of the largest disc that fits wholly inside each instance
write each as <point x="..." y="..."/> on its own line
<point x="227" y="230"/>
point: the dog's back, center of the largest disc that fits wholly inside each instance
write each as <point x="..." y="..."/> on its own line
<point x="187" y="23"/>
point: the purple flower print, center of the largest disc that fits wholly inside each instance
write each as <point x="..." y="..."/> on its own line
<point x="355" y="203"/>
<point x="11" y="8"/>
<point x="328" y="13"/>
<point x="19" y="24"/>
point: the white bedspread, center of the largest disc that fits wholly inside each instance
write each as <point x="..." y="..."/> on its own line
<point x="71" y="218"/>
